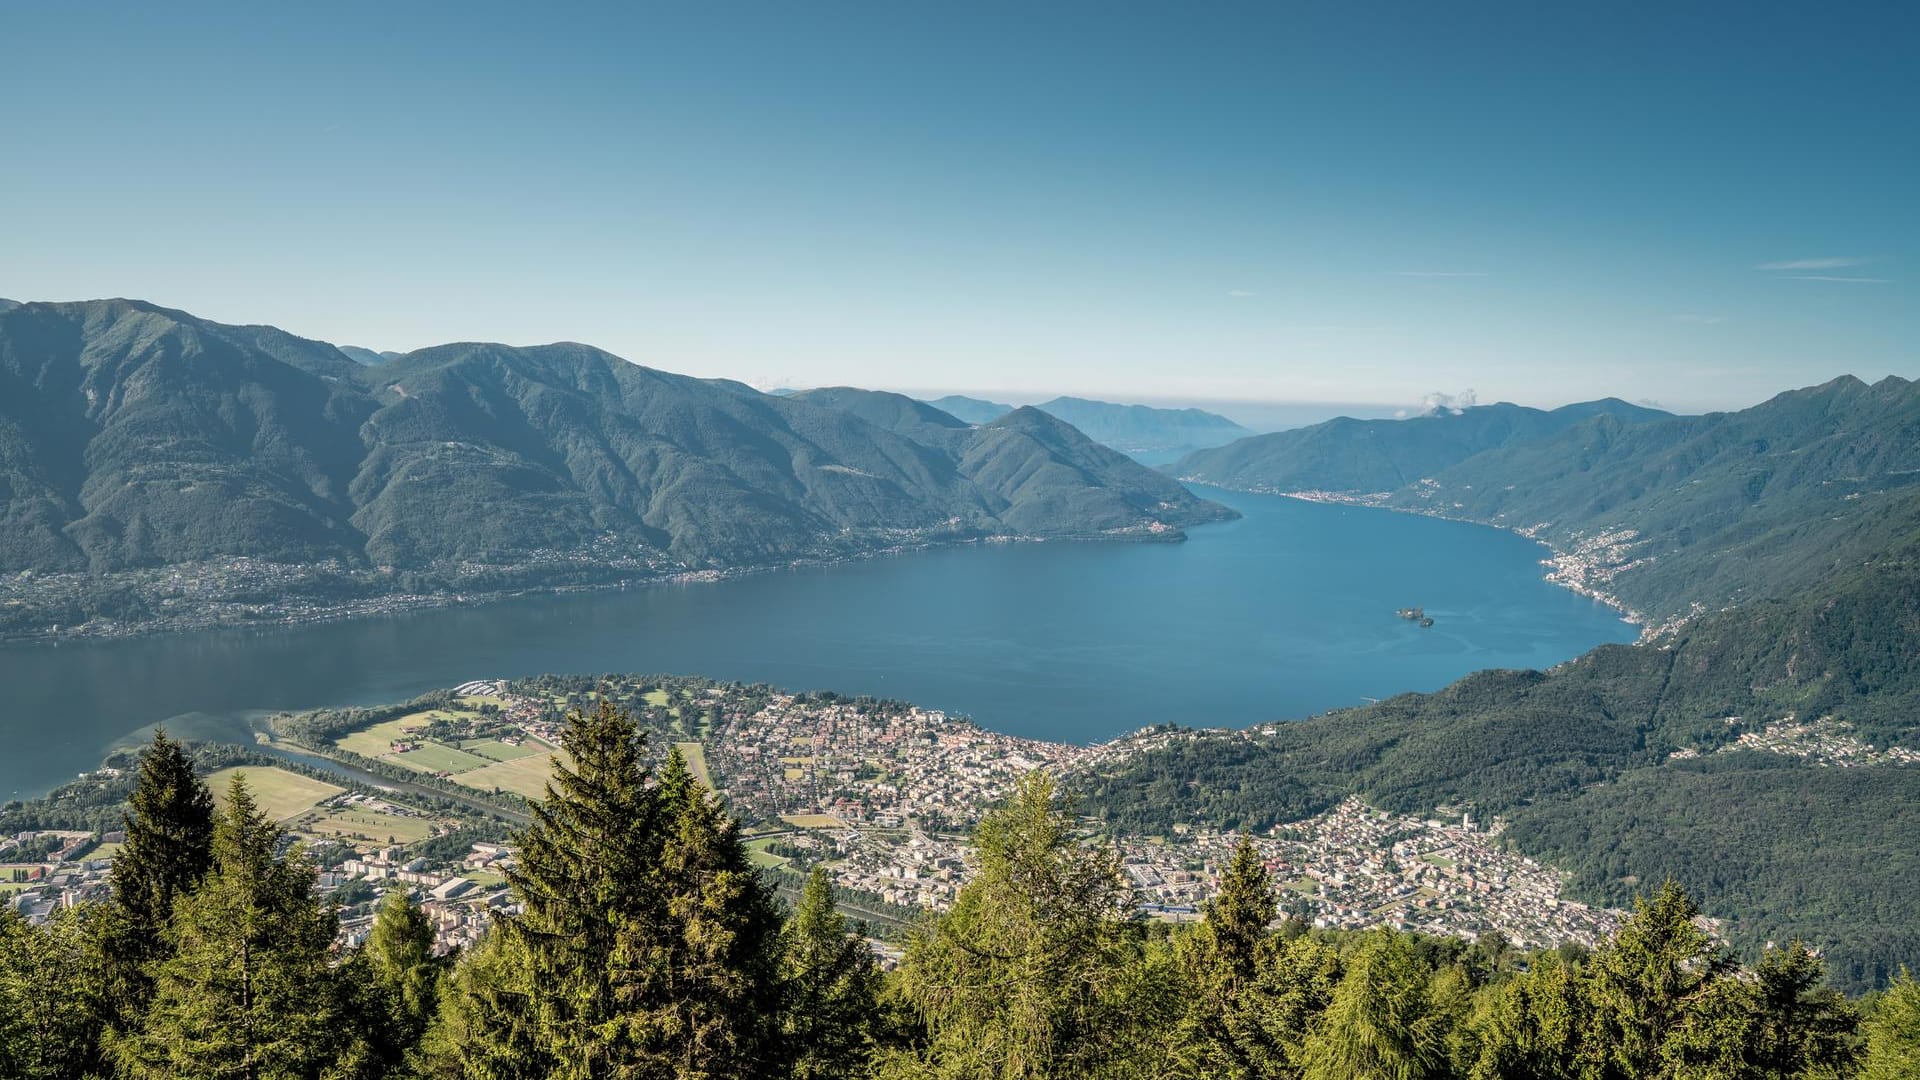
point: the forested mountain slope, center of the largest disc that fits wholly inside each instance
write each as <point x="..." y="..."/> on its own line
<point x="1708" y="510"/>
<point x="1715" y="756"/>
<point x="134" y="436"/>
<point x="1351" y="455"/>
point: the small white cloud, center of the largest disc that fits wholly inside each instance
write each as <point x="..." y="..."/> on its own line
<point x="1701" y="320"/>
<point x="1439" y="273"/>
<point x="1834" y="263"/>
<point x="1238" y="293"/>
<point x="1439" y="403"/>
<point x="1836" y="277"/>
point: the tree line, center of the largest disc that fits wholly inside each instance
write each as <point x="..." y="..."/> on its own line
<point x="643" y="944"/>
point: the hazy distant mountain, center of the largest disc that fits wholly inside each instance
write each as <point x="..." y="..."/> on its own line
<point x="1140" y="431"/>
<point x="132" y="435"/>
<point x="365" y="356"/>
<point x="8" y="305"/>
<point x="972" y="410"/>
<point x="1381" y="455"/>
<point x="1143" y="430"/>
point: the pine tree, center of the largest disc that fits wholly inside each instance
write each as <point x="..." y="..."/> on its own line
<point x="169" y="845"/>
<point x="1030" y="973"/>
<point x="1800" y="1026"/>
<point x="1382" y="1023"/>
<point x="1530" y="1027"/>
<point x="247" y="990"/>
<point x="587" y="878"/>
<point x="48" y="1029"/>
<point x="718" y="1015"/>
<point x="831" y="988"/>
<point x="1641" y="986"/>
<point x="1893" y="1032"/>
<point x="400" y="977"/>
<point x="485" y="1029"/>
<point x="1227" y="962"/>
<point x="169" y="848"/>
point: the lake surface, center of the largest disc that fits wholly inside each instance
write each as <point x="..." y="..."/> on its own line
<point x="1284" y="613"/>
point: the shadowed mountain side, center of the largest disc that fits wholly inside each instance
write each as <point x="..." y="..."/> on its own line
<point x="132" y="436"/>
<point x="1351" y="455"/>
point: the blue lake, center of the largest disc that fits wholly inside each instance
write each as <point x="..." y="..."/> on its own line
<point x="1284" y="613"/>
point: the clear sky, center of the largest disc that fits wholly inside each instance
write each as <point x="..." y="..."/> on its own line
<point x="1690" y="203"/>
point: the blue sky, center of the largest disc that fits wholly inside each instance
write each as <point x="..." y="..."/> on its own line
<point x="1694" y="204"/>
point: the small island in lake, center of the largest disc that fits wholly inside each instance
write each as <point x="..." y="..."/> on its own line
<point x="1414" y="614"/>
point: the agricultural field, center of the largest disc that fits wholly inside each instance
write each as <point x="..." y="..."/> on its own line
<point x="495" y="750"/>
<point x="813" y="821"/>
<point x="524" y="776"/>
<point x="696" y="756"/>
<point x="378" y="740"/>
<point x="279" y="794"/>
<point x="365" y="825"/>
<point x="759" y="856"/>
<point x="433" y="757"/>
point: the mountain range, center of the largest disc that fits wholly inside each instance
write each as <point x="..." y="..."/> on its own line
<point x="1672" y="515"/>
<point x="1761" y="745"/>
<point x="1349" y="455"/>
<point x="134" y="436"/>
<point x="1143" y="432"/>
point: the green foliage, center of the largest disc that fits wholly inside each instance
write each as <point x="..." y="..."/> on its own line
<point x="1383" y="1022"/>
<point x="248" y="990"/>
<point x="831" y="987"/>
<point x="648" y="945"/>
<point x="49" y="1028"/>
<point x="1031" y="972"/>
<point x="649" y="949"/>
<point x="402" y="969"/>
<point x="1893" y="1032"/>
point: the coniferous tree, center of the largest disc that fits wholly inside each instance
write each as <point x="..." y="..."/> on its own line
<point x="1530" y="1027"/>
<point x="247" y="990"/>
<point x="484" y="1028"/>
<point x="394" y="980"/>
<point x="169" y="845"/>
<point x="831" y="988"/>
<point x="718" y="1017"/>
<point x="1641" y="986"/>
<point x="1030" y="974"/>
<point x="1228" y="961"/>
<point x="48" y="1029"/>
<point x="1893" y="1032"/>
<point x="1382" y="1023"/>
<point x="1800" y="1026"/>
<point x="168" y="850"/>
<point x="588" y="878"/>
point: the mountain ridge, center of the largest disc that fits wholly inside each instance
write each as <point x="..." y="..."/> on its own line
<point x="134" y="436"/>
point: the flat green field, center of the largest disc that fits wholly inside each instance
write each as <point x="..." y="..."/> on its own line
<point x="696" y="756"/>
<point x="495" y="750"/>
<point x="367" y="825"/>
<point x="279" y="793"/>
<point x="813" y="821"/>
<point x="1305" y="886"/>
<point x="434" y="757"/>
<point x="377" y="741"/>
<point x="525" y="776"/>
<point x="758" y="855"/>
<point x="655" y="698"/>
<point x="486" y="879"/>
